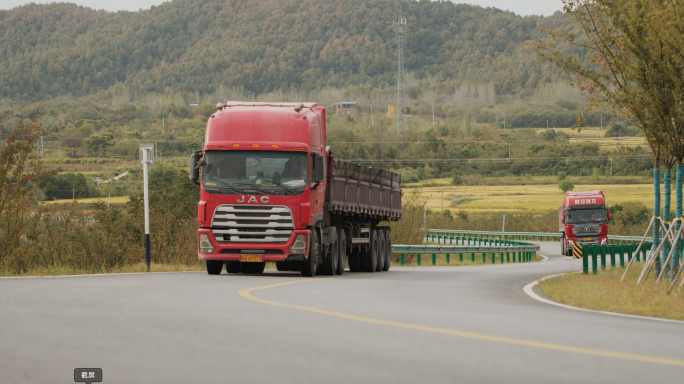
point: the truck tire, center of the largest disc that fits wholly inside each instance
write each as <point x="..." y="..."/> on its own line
<point x="295" y="266"/>
<point x="252" y="268"/>
<point x="369" y="257"/>
<point x="282" y="266"/>
<point x="380" y="264"/>
<point x="214" y="267"/>
<point x="310" y="264"/>
<point x="355" y="260"/>
<point x="341" y="251"/>
<point x="388" y="250"/>
<point x="330" y="259"/>
<point x="233" y="266"/>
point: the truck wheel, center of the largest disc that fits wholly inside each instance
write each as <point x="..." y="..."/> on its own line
<point x="380" y="264"/>
<point x="355" y="260"/>
<point x="310" y="264"/>
<point x="233" y="266"/>
<point x="330" y="259"/>
<point x="369" y="257"/>
<point x="214" y="267"/>
<point x="341" y="251"/>
<point x="282" y="266"/>
<point x="562" y="244"/>
<point x="252" y="268"/>
<point x="295" y="265"/>
<point x="388" y="250"/>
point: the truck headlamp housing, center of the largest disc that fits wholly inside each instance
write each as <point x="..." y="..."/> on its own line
<point x="205" y="245"/>
<point x="570" y="243"/>
<point x="299" y="245"/>
<point x="603" y="241"/>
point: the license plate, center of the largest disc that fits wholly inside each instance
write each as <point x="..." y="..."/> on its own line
<point x="587" y="239"/>
<point x="251" y="258"/>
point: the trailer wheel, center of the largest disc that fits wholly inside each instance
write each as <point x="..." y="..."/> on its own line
<point x="380" y="264"/>
<point x="233" y="266"/>
<point x="341" y="251"/>
<point x="310" y="264"/>
<point x="214" y="267"/>
<point x="330" y="259"/>
<point x="388" y="250"/>
<point x="252" y="268"/>
<point x="282" y="266"/>
<point x="369" y="257"/>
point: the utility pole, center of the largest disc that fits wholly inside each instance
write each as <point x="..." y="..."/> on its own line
<point x="399" y="34"/>
<point x="442" y="201"/>
<point x="147" y="161"/>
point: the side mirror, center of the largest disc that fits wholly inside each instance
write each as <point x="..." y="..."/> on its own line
<point x="608" y="214"/>
<point x="194" y="170"/>
<point x="318" y="168"/>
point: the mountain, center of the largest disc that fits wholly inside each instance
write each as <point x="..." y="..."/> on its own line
<point x="265" y="45"/>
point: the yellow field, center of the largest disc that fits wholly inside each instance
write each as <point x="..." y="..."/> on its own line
<point x="113" y="200"/>
<point x="589" y="133"/>
<point x="525" y="198"/>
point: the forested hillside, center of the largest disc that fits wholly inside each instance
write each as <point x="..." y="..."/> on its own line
<point x="265" y="45"/>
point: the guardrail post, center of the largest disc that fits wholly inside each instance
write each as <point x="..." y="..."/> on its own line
<point x="611" y="249"/>
<point x="493" y="258"/>
<point x="434" y="259"/>
<point x="460" y="257"/>
<point x="632" y="250"/>
<point x="603" y="257"/>
<point x="594" y="261"/>
<point x="508" y="257"/>
<point x="448" y="260"/>
<point x="472" y="257"/>
<point x="621" y="254"/>
<point x="502" y="257"/>
<point x="401" y="259"/>
<point x="585" y="262"/>
<point x="484" y="258"/>
<point x="418" y="258"/>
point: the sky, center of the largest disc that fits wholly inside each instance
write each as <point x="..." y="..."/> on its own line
<point x="520" y="7"/>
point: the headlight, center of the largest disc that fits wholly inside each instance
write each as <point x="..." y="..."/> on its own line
<point x="205" y="245"/>
<point x="603" y="241"/>
<point x="299" y="245"/>
<point x="570" y="242"/>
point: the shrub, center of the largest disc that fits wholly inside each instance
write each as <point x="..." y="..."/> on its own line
<point x="561" y="176"/>
<point x="566" y="185"/>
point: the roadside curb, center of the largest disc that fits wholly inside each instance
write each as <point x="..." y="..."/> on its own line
<point x="528" y="289"/>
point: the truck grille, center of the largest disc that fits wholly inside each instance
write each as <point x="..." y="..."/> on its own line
<point x="252" y="224"/>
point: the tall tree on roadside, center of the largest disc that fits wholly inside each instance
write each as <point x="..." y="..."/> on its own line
<point x="621" y="38"/>
<point x="19" y="166"/>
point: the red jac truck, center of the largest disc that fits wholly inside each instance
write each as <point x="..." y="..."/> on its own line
<point x="583" y="219"/>
<point x="271" y="190"/>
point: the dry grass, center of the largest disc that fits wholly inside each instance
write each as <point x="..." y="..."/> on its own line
<point x="604" y="292"/>
<point x="133" y="268"/>
<point x="525" y="198"/>
<point x="589" y="133"/>
<point x="90" y="200"/>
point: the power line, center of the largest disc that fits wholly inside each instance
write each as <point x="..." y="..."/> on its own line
<point x="458" y="141"/>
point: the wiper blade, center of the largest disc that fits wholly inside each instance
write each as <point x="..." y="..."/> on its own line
<point x="226" y="184"/>
<point x="254" y="187"/>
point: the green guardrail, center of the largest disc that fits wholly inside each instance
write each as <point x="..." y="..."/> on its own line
<point x="541" y="236"/>
<point x="616" y="254"/>
<point x="507" y="250"/>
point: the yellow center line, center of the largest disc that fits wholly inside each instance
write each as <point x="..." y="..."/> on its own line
<point x="247" y="294"/>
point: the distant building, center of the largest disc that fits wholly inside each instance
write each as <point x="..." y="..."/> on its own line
<point x="345" y="108"/>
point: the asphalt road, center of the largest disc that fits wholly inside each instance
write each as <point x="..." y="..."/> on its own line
<point x="412" y="325"/>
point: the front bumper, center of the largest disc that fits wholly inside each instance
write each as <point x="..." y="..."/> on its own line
<point x="233" y="251"/>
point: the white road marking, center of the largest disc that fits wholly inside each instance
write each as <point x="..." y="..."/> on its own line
<point x="530" y="292"/>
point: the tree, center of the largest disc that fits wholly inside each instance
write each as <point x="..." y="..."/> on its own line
<point x="98" y="143"/>
<point x="19" y="167"/>
<point x="205" y="110"/>
<point x="566" y="185"/>
<point x="72" y="144"/>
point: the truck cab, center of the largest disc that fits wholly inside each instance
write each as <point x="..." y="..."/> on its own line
<point x="583" y="219"/>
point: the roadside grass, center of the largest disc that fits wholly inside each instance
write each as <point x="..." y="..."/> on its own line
<point x="589" y="134"/>
<point x="604" y="292"/>
<point x="61" y="270"/>
<point x="525" y="198"/>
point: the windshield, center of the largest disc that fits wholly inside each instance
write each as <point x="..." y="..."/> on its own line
<point x="581" y="216"/>
<point x="265" y="171"/>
